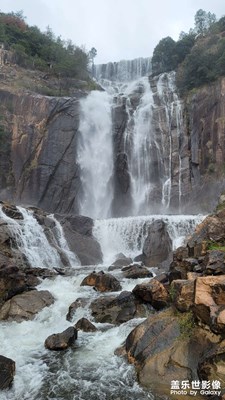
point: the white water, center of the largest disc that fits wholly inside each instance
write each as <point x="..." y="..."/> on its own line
<point x="95" y="155"/>
<point x="127" y="235"/>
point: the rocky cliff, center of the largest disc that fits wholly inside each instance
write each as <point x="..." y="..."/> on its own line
<point x="38" y="158"/>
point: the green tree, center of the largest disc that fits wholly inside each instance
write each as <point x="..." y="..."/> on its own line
<point x="163" y="59"/>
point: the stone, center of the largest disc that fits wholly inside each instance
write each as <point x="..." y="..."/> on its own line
<point x="26" y="305"/>
<point x="61" y="341"/>
<point x="182" y="293"/>
<point x="122" y="262"/>
<point x="80" y="302"/>
<point x="136" y="271"/>
<point x="157" y="245"/>
<point x="214" y="262"/>
<point x="159" y="351"/>
<point x="7" y="372"/>
<point x="11" y="211"/>
<point x="85" y="325"/>
<point x="152" y="292"/>
<point x="209" y="302"/>
<point x="81" y="240"/>
<point x="102" y="282"/>
<point x="118" y="309"/>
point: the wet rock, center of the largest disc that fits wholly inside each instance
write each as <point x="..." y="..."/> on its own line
<point x="162" y="278"/>
<point x="182" y="293"/>
<point x="117" y="309"/>
<point x="180" y="267"/>
<point x="85" y="325"/>
<point x="61" y="341"/>
<point x="122" y="262"/>
<point x="157" y="245"/>
<point x="102" y="282"/>
<point x="25" y="306"/>
<point x="7" y="372"/>
<point x="81" y="240"/>
<point x="136" y="271"/>
<point x="11" y="211"/>
<point x="80" y="302"/>
<point x="152" y="292"/>
<point x="12" y="282"/>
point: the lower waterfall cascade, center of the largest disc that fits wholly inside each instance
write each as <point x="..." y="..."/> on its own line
<point x="90" y="370"/>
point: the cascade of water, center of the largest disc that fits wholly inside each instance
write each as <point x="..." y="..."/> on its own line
<point x="170" y="134"/>
<point x="124" y="70"/>
<point x="95" y="155"/>
<point x="31" y="240"/>
<point x="127" y="235"/>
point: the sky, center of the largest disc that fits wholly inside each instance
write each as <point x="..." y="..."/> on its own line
<point x="118" y="29"/>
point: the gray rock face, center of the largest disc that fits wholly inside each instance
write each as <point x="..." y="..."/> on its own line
<point x="158" y="244"/>
<point x="7" y="372"/>
<point x="78" y="233"/>
<point x="117" y="310"/>
<point x="25" y="306"/>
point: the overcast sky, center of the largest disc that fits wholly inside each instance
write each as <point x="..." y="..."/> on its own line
<point x="118" y="29"/>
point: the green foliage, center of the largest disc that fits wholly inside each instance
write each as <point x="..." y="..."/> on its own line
<point x="42" y="50"/>
<point x="215" y="246"/>
<point x="203" y="21"/>
<point x="186" y="324"/>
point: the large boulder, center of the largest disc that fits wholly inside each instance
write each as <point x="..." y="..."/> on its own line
<point x="26" y="305"/>
<point x="209" y="302"/>
<point x="78" y="233"/>
<point x="61" y="341"/>
<point x="157" y="245"/>
<point x="102" y="282"/>
<point x="118" y="309"/>
<point x="7" y="372"/>
<point x="214" y="262"/>
<point x="161" y="349"/>
<point x="152" y="292"/>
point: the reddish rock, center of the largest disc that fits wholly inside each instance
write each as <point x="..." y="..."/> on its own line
<point x="152" y="292"/>
<point x="182" y="294"/>
<point x="102" y="282"/>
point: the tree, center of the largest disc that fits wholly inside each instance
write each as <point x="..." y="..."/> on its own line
<point x="163" y="59"/>
<point x="203" y="21"/>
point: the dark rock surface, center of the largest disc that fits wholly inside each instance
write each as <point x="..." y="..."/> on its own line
<point x="7" y="372"/>
<point x="117" y="310"/>
<point x="135" y="271"/>
<point x="61" y="341"/>
<point x="102" y="282"/>
<point x="157" y="245"/>
<point x="85" y="325"/>
<point x="80" y="302"/>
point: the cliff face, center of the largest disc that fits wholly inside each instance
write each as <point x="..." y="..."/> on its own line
<point x="38" y="157"/>
<point x="39" y="167"/>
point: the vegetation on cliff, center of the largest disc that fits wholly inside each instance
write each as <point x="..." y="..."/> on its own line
<point x="42" y="51"/>
<point x="198" y="56"/>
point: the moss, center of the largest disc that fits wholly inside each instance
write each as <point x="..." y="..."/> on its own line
<point x="186" y="324"/>
<point x="215" y="246"/>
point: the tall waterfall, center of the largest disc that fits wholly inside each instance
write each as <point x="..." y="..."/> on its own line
<point x="130" y="143"/>
<point x="95" y="155"/>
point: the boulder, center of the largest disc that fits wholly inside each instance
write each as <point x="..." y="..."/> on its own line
<point x="180" y="267"/>
<point x="118" y="309"/>
<point x="7" y="372"/>
<point x="157" y="245"/>
<point x="122" y="262"/>
<point x="61" y="341"/>
<point x="161" y="352"/>
<point x="209" y="302"/>
<point x="12" y="281"/>
<point x="214" y="262"/>
<point x="78" y="233"/>
<point x="136" y="271"/>
<point x="182" y="293"/>
<point x="85" y="325"/>
<point x="152" y="292"/>
<point x="102" y="282"/>
<point x="25" y="306"/>
<point x="80" y="302"/>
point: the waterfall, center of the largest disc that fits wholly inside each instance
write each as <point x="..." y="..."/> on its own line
<point x="124" y="70"/>
<point x="127" y="235"/>
<point x="95" y="155"/>
<point x="32" y="242"/>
